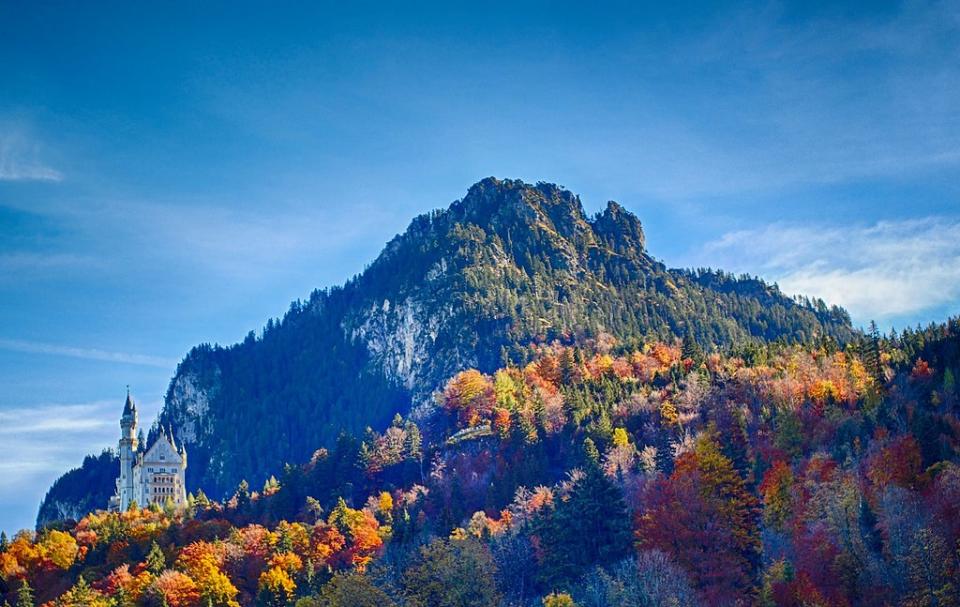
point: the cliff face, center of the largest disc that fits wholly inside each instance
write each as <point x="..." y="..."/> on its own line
<point x="469" y="286"/>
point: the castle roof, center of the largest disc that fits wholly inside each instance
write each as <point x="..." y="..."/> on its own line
<point x="163" y="450"/>
<point x="130" y="407"/>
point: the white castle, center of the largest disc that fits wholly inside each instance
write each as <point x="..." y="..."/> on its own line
<point x="152" y="476"/>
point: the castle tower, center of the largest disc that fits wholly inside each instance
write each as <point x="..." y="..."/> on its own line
<point x="128" y="449"/>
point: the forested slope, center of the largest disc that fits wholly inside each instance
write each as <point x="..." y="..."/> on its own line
<point x="480" y="283"/>
<point x="600" y="473"/>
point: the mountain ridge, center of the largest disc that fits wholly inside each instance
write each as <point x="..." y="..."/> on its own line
<point x="508" y="265"/>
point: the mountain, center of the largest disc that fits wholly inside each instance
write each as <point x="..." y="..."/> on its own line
<point x="82" y="489"/>
<point x="474" y="285"/>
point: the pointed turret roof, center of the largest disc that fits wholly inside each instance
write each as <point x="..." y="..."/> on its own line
<point x="172" y="438"/>
<point x="130" y="407"/>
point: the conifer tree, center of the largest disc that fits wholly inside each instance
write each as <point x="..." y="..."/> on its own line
<point x="25" y="595"/>
<point x="590" y="451"/>
<point x="201" y="500"/>
<point x="871" y="354"/>
<point x="589" y="528"/>
<point x="156" y="562"/>
<point x="691" y="349"/>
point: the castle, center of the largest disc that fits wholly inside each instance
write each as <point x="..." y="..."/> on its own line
<point x="152" y="476"/>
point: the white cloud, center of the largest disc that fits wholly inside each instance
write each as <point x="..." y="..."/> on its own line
<point x="889" y="270"/>
<point x="32" y="347"/>
<point x="42" y="442"/>
<point x="19" y="161"/>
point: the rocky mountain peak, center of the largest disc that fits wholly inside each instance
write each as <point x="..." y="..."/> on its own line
<point x="502" y="205"/>
<point x="620" y="229"/>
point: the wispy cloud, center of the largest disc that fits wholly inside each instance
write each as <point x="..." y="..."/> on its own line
<point x="889" y="270"/>
<point x="32" y="347"/>
<point x="20" y="161"/>
<point x="77" y="418"/>
<point x="222" y="240"/>
<point x="782" y="102"/>
<point x="43" y="441"/>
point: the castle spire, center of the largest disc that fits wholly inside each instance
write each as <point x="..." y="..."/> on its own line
<point x="130" y="407"/>
<point x="173" y="440"/>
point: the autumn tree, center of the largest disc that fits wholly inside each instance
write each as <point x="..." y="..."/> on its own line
<point x="60" y="548"/>
<point x="470" y="396"/>
<point x="203" y="562"/>
<point x="175" y="589"/>
<point x="776" y="493"/>
<point x="275" y="588"/>
<point x="361" y="532"/>
<point x="561" y="599"/>
<point x="704" y="517"/>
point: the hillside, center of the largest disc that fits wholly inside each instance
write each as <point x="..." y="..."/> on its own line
<point x="474" y="285"/>
<point x="598" y="474"/>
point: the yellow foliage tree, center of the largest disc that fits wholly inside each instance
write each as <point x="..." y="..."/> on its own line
<point x="620" y="437"/>
<point x="275" y="588"/>
<point x="561" y="599"/>
<point x="668" y="412"/>
<point x="60" y="548"/>
<point x="385" y="502"/>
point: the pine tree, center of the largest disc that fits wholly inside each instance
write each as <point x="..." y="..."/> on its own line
<point x="871" y="354"/>
<point x="25" y="595"/>
<point x="201" y="500"/>
<point x="567" y="367"/>
<point x="314" y="508"/>
<point x="949" y="382"/>
<point x="271" y="484"/>
<point x="590" y="528"/>
<point x="156" y="562"/>
<point x="590" y="451"/>
<point x="691" y="349"/>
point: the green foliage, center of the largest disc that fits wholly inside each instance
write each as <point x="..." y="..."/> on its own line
<point x="156" y="561"/>
<point x="24" y="595"/>
<point x="352" y="590"/>
<point x="452" y="573"/>
<point x="589" y="528"/>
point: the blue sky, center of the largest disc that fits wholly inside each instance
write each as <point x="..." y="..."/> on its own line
<point x="176" y="174"/>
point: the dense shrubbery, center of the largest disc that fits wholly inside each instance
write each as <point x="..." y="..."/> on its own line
<point x="595" y="475"/>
